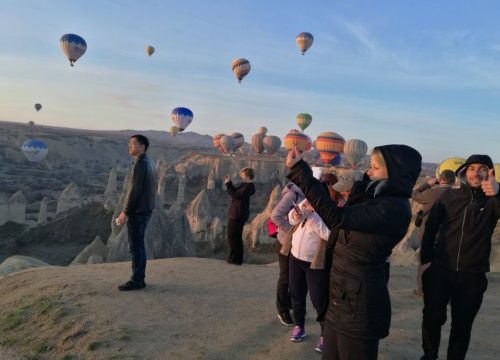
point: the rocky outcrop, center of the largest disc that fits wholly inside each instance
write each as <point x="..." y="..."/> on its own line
<point x="69" y="199"/>
<point x="42" y="213"/>
<point x="256" y="232"/>
<point x="111" y="185"/>
<point x="406" y="253"/>
<point x="95" y="253"/>
<point x="17" y="263"/>
<point x="17" y="208"/>
<point x="4" y="208"/>
<point x="200" y="216"/>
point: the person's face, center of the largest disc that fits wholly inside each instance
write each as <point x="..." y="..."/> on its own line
<point x="377" y="170"/>
<point x="476" y="174"/>
<point x="135" y="147"/>
<point x="243" y="176"/>
<point x="345" y="194"/>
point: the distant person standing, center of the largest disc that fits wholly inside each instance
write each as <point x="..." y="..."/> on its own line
<point x="427" y="194"/>
<point x="238" y="213"/>
<point x="455" y="254"/>
<point x="139" y="205"/>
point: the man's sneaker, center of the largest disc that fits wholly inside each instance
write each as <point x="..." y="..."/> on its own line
<point x="131" y="285"/>
<point x="285" y="318"/>
<point x="319" y="345"/>
<point x="298" y="334"/>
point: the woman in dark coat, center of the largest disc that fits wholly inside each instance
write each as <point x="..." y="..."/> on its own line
<point x="359" y="310"/>
<point x="238" y="213"/>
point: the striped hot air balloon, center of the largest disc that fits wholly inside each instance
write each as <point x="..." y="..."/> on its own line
<point x="354" y="151"/>
<point x="329" y="145"/>
<point x="227" y="144"/>
<point x="272" y="144"/>
<point x="296" y="138"/>
<point x="304" y="41"/>
<point x="239" y="139"/>
<point x="182" y="117"/>
<point x="452" y="163"/>
<point x="240" y="67"/>
<point x="35" y="150"/>
<point x="303" y="120"/>
<point x="257" y="143"/>
<point x="73" y="47"/>
<point x="216" y="141"/>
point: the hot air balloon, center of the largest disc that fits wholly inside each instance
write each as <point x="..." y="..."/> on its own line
<point x="296" y="138"/>
<point x="174" y="130"/>
<point x="304" y="41"/>
<point x="38" y="106"/>
<point x="257" y="143"/>
<point x="497" y="172"/>
<point x="303" y="120"/>
<point x="216" y="141"/>
<point x="227" y="143"/>
<point x="150" y="50"/>
<point x="35" y="150"/>
<point x="182" y="117"/>
<point x="354" y="151"/>
<point x="311" y="156"/>
<point x="272" y="144"/>
<point x="452" y="164"/>
<point x="330" y="145"/>
<point x="262" y="130"/>
<point x="239" y="139"/>
<point x="240" y="67"/>
<point x="73" y="47"/>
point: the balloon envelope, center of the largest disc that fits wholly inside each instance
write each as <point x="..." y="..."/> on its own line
<point x="257" y="143"/>
<point x="35" y="150"/>
<point x="272" y="144"/>
<point x="354" y="151"/>
<point x="239" y="139"/>
<point x="296" y="138"/>
<point x="240" y="67"/>
<point x="226" y="143"/>
<point x="304" y="41"/>
<point x="216" y="141"/>
<point x="182" y="117"/>
<point x="329" y="145"/>
<point x="262" y="130"/>
<point x="452" y="163"/>
<point x="73" y="47"/>
<point x="38" y="107"/>
<point x="150" y="50"/>
<point x="303" y="120"/>
<point x="497" y="172"/>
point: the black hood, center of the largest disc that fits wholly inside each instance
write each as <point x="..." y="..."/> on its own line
<point x="404" y="164"/>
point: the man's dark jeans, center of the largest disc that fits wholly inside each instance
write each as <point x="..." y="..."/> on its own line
<point x="283" y="296"/>
<point x="136" y="226"/>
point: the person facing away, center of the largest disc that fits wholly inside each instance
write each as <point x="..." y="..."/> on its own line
<point x="238" y="213"/>
<point x="138" y="207"/>
<point x="279" y="216"/>
<point x="455" y="254"/>
<point x="359" y="309"/>
<point x="427" y="194"/>
<point x="307" y="264"/>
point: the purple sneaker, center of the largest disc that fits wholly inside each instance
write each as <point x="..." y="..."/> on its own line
<point x="298" y="334"/>
<point x="319" y="345"/>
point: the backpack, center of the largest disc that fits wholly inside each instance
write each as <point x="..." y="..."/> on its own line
<point x="272" y="229"/>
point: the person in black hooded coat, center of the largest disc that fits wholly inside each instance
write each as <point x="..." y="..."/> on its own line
<point x="359" y="310"/>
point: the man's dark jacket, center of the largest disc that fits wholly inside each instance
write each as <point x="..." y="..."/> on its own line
<point x="359" y="303"/>
<point x="458" y="231"/>
<point x="240" y="200"/>
<point x="141" y="187"/>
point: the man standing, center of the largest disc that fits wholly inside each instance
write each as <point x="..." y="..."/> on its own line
<point x="427" y="194"/>
<point x="455" y="255"/>
<point x="139" y="205"/>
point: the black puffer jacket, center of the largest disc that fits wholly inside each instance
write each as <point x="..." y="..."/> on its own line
<point x="240" y="200"/>
<point x="359" y="303"/>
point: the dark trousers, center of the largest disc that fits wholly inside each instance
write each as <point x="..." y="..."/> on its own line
<point x="464" y="291"/>
<point x="136" y="227"/>
<point x="302" y="279"/>
<point x="283" y="296"/>
<point x="235" y="240"/>
<point x="341" y="347"/>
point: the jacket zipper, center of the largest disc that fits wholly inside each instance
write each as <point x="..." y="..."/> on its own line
<point x="463" y="223"/>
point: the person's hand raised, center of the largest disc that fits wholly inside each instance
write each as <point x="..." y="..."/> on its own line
<point x="490" y="185"/>
<point x="294" y="156"/>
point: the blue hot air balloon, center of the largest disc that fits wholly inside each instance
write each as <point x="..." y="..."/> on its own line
<point x="73" y="47"/>
<point x="182" y="117"/>
<point x="35" y="150"/>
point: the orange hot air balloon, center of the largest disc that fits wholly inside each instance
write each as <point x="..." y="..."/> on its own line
<point x="330" y="145"/>
<point x="296" y="138"/>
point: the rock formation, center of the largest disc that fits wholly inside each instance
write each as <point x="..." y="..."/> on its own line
<point x="256" y="232"/>
<point x="4" y="208"/>
<point x="69" y="198"/>
<point x="95" y="253"/>
<point x="17" y="263"/>
<point x="200" y="216"/>
<point x="111" y="186"/>
<point x="17" y="208"/>
<point x="42" y="214"/>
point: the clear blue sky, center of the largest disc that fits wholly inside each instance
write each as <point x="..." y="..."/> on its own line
<point x="423" y="73"/>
